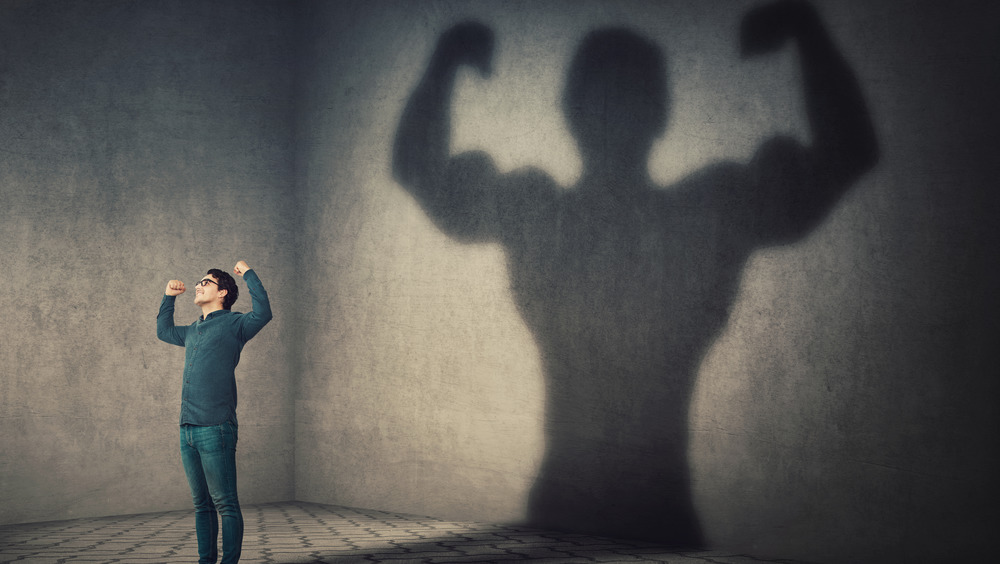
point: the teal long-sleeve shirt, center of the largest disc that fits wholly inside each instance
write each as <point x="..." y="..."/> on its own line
<point x="212" y="347"/>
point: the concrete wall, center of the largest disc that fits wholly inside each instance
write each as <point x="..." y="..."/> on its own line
<point x="844" y="411"/>
<point x="140" y="142"/>
<point x="841" y="407"/>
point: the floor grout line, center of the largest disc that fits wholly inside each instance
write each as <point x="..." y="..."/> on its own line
<point x="310" y="533"/>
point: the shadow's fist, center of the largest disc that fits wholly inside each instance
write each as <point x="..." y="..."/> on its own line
<point x="468" y="43"/>
<point x="766" y="28"/>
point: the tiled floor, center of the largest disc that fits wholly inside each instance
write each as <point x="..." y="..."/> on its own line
<point x="295" y="532"/>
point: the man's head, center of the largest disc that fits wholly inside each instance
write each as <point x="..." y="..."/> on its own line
<point x="616" y="98"/>
<point x="216" y="285"/>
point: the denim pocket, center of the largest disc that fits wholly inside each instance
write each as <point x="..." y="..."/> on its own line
<point x="229" y="433"/>
<point x="207" y="439"/>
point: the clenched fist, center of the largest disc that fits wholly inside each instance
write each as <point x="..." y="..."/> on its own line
<point x="468" y="43"/>
<point x="765" y="28"/>
<point x="175" y="288"/>
<point x="240" y="268"/>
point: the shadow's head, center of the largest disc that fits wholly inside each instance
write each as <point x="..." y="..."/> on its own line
<point x="616" y="99"/>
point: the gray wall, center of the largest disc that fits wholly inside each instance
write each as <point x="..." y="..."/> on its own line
<point x="140" y="142"/>
<point x="844" y="412"/>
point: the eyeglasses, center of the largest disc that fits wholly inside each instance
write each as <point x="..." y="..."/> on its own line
<point x="204" y="282"/>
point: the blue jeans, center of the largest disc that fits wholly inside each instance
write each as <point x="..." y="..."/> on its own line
<point x="209" y="455"/>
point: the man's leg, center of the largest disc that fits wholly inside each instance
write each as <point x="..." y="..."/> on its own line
<point x="206" y="522"/>
<point x="218" y="459"/>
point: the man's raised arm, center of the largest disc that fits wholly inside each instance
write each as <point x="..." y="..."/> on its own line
<point x="251" y="323"/>
<point x="165" y="329"/>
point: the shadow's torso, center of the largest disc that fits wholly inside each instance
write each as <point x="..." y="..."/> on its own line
<point x="624" y="296"/>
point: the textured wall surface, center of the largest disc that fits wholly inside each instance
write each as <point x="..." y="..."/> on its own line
<point x="845" y="409"/>
<point x="140" y="143"/>
<point x="839" y="395"/>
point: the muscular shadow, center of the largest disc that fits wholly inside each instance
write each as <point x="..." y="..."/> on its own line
<point x="624" y="284"/>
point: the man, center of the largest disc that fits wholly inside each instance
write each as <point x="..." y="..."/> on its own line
<point x="625" y="285"/>
<point x="208" y="399"/>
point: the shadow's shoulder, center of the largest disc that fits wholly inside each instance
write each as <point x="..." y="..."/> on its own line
<point x="708" y="184"/>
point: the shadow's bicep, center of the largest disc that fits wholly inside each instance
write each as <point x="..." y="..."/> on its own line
<point x="452" y="194"/>
<point x="472" y="202"/>
<point x="787" y="193"/>
<point x="467" y="203"/>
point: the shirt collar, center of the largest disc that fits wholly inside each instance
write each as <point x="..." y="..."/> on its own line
<point x="215" y="313"/>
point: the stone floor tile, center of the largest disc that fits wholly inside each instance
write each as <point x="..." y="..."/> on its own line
<point x="304" y="533"/>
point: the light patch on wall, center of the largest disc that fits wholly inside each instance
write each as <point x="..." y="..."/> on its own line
<point x="723" y="107"/>
<point x="515" y="115"/>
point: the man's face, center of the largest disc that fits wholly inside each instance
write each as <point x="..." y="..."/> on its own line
<point x="207" y="291"/>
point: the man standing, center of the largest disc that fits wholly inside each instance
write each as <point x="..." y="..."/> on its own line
<point x="208" y="399"/>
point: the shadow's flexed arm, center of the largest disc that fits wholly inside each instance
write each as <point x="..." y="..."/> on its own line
<point x="420" y="156"/>
<point x="793" y="187"/>
<point x="457" y="192"/>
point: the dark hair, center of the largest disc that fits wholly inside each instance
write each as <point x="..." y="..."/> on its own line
<point x="226" y="283"/>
